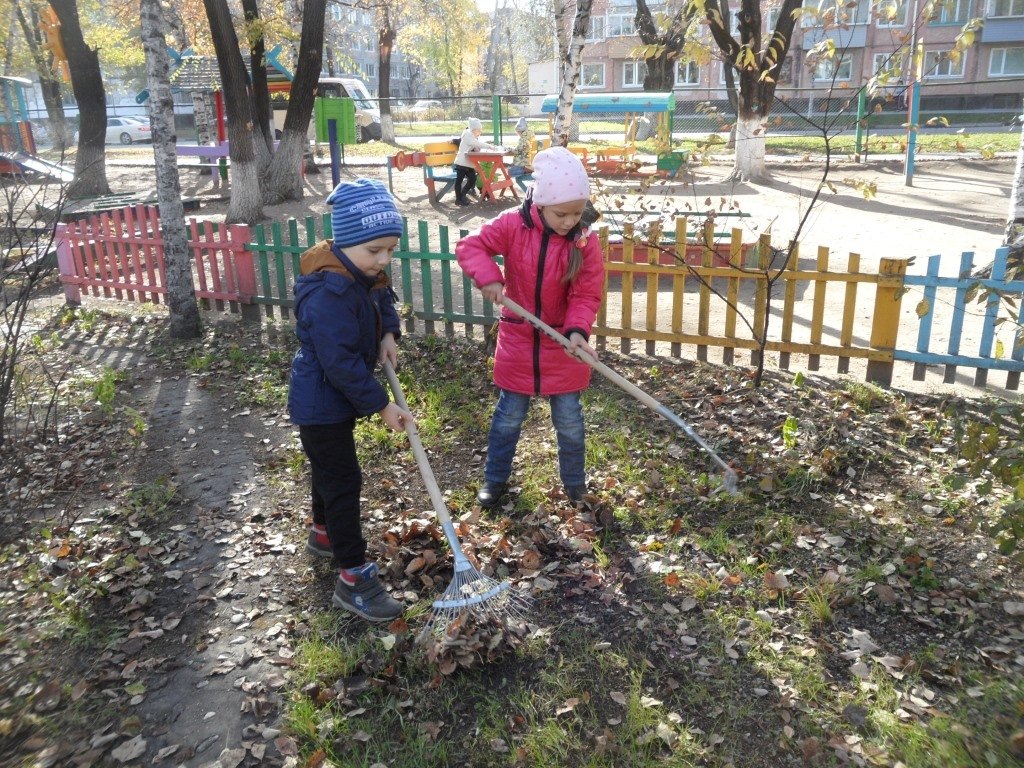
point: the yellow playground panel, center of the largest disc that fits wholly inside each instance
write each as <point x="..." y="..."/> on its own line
<point x="632" y="108"/>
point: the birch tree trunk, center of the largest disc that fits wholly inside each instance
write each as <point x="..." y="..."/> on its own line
<point x="246" y="205"/>
<point x="284" y="179"/>
<point x="1015" y="216"/>
<point x="181" y="295"/>
<point x="571" y="73"/>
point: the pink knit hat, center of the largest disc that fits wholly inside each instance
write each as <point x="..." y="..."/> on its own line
<point x="559" y="177"/>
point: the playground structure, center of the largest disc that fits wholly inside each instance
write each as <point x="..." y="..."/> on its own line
<point x="200" y="76"/>
<point x="633" y="109"/>
<point x="17" y="144"/>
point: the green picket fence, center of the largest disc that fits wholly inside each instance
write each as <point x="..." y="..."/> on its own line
<point x="432" y="290"/>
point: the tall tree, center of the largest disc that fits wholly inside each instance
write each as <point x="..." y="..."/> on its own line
<point x="571" y="73"/>
<point x="87" y="84"/>
<point x="757" y="69"/>
<point x="49" y="81"/>
<point x="284" y="179"/>
<point x="443" y="38"/>
<point x="385" y="47"/>
<point x="662" y="48"/>
<point x="181" y="296"/>
<point x="262" y="113"/>
<point x="245" y="205"/>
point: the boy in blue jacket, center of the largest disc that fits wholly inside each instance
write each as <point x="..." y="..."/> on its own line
<point x="346" y="323"/>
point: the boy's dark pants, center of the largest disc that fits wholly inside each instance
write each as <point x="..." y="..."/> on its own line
<point x="337" y="482"/>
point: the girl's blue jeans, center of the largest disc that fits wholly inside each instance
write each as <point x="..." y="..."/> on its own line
<point x="507" y="423"/>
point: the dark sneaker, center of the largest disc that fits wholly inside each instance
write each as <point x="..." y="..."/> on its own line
<point x="490" y="494"/>
<point x="576" y="493"/>
<point x="367" y="597"/>
<point x="319" y="544"/>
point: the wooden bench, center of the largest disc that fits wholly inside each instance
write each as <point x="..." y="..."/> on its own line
<point x="437" y="168"/>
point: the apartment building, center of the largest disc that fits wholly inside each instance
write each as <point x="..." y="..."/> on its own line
<point x="990" y="74"/>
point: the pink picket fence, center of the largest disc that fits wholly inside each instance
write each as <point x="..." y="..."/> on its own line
<point x="120" y="254"/>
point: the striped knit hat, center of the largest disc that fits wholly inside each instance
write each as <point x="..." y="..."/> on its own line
<point x="363" y="210"/>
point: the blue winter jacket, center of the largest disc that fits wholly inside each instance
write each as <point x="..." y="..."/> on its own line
<point x="340" y="317"/>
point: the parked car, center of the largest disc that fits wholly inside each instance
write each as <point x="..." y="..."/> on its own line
<point x="426" y="108"/>
<point x="128" y="130"/>
<point x="125" y="130"/>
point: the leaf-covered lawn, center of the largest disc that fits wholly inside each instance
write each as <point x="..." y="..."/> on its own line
<point x="843" y="608"/>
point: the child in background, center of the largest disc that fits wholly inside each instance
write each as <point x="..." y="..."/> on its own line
<point x="552" y="267"/>
<point x="465" y="173"/>
<point x="524" y="150"/>
<point x="346" y="323"/>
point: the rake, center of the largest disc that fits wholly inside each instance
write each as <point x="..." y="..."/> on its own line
<point x="728" y="473"/>
<point x="470" y="591"/>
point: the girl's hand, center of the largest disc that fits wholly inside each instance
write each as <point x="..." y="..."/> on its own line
<point x="388" y="350"/>
<point x="396" y="418"/>
<point x="578" y="345"/>
<point x="493" y="292"/>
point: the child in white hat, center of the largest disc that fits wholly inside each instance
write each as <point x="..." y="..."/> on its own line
<point x="552" y="267"/>
<point x="465" y="173"/>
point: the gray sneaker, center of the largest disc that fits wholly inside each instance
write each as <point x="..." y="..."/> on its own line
<point x="367" y="597"/>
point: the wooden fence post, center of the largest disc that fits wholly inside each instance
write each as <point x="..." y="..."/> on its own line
<point x="66" y="266"/>
<point x="245" y="271"/>
<point x="885" y="325"/>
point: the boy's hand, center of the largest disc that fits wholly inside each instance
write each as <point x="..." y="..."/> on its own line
<point x="493" y="292"/>
<point x="388" y="350"/>
<point x="578" y="345"/>
<point x="396" y="418"/>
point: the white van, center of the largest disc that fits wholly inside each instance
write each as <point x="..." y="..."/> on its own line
<point x="367" y="114"/>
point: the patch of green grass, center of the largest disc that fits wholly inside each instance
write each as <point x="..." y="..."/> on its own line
<point x="866" y="396"/>
<point x="200" y="362"/>
<point x="152" y="500"/>
<point x="975" y="731"/>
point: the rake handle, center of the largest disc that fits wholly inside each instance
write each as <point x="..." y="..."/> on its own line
<point x="440" y="507"/>
<point x="625" y="384"/>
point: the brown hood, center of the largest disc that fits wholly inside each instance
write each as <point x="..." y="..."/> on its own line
<point x="320" y="258"/>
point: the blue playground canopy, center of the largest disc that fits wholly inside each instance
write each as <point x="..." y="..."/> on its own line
<point x="616" y="103"/>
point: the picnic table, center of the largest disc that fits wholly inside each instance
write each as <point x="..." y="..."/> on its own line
<point x="495" y="179"/>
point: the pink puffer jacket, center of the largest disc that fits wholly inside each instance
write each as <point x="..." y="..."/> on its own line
<point x="536" y="259"/>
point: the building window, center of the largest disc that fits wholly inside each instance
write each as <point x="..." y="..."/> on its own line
<point x="938" y="64"/>
<point x="1006" y="61"/>
<point x="592" y="75"/>
<point x="834" y="70"/>
<point x="336" y="12"/>
<point x="892" y="13"/>
<point x="950" y="12"/>
<point x="633" y="74"/>
<point x="998" y="8"/>
<point x="596" y="32"/>
<point x="688" y="73"/>
<point x="370" y="70"/>
<point x="772" y="19"/>
<point x="621" y="24"/>
<point x="831" y="12"/>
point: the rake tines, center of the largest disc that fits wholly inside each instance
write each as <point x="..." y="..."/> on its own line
<point x="470" y="591"/>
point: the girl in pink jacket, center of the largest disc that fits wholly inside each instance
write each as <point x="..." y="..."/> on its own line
<point x="554" y="268"/>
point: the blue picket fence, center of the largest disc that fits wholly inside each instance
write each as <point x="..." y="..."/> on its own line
<point x="1000" y="304"/>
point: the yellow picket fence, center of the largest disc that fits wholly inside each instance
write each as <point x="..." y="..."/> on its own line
<point x="708" y="294"/>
